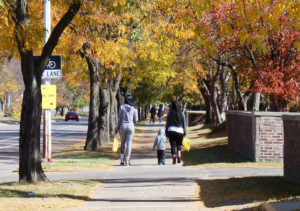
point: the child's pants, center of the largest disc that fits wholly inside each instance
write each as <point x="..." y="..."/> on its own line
<point x="161" y="156"/>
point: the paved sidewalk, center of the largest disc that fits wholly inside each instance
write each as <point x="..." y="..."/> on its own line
<point x="146" y="186"/>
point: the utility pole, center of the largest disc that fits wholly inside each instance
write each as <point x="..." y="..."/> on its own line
<point x="47" y="142"/>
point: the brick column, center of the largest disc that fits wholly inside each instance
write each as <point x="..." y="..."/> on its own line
<point x="291" y="124"/>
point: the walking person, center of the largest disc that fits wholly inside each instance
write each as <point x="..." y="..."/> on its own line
<point x="160" y="144"/>
<point x="160" y="113"/>
<point x="175" y="130"/>
<point x="153" y="113"/>
<point x="127" y="117"/>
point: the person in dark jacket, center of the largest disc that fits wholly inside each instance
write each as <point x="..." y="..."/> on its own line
<point x="175" y="130"/>
<point x="153" y="113"/>
<point x="160" y="113"/>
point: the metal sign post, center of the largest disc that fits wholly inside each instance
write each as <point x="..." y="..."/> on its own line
<point x="47" y="112"/>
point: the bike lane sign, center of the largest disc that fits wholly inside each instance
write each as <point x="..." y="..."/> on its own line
<point x="53" y="69"/>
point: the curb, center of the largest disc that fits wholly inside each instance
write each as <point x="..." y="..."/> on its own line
<point x="267" y="207"/>
<point x="281" y="206"/>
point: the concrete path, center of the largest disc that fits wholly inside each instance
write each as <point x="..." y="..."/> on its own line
<point x="147" y="186"/>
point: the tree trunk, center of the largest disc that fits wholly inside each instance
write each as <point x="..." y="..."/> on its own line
<point x="114" y="88"/>
<point x="30" y="169"/>
<point x="277" y="104"/>
<point x="211" y="90"/>
<point x="224" y="77"/>
<point x="207" y="106"/>
<point x="104" y="112"/>
<point x="256" y="101"/>
<point x="92" y="138"/>
<point x="215" y="112"/>
<point x="113" y="117"/>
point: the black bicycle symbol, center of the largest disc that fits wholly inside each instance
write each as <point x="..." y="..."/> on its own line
<point x="51" y="64"/>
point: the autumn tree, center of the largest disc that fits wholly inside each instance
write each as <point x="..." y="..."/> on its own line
<point x="11" y="87"/>
<point x="99" y="35"/>
<point x="27" y="37"/>
<point x="264" y="33"/>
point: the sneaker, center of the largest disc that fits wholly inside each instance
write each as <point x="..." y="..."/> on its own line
<point x="122" y="163"/>
<point x="179" y="160"/>
<point x="174" y="160"/>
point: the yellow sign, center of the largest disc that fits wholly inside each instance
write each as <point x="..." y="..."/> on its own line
<point x="48" y="96"/>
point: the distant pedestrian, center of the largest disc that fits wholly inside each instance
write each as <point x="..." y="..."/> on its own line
<point x="175" y="130"/>
<point x="160" y="144"/>
<point x="153" y="113"/>
<point x="160" y="113"/>
<point x="127" y="117"/>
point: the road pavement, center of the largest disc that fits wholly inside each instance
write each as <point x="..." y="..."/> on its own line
<point x="64" y="134"/>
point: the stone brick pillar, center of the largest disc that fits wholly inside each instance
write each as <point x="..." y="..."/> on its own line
<point x="291" y="124"/>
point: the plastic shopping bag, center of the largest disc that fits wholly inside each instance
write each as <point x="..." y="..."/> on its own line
<point x="186" y="144"/>
<point x="115" y="145"/>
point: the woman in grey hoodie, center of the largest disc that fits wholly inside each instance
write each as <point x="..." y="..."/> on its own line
<point x="127" y="117"/>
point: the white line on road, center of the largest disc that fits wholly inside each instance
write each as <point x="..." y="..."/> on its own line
<point x="9" y="146"/>
<point x="52" y="136"/>
<point x="9" y="139"/>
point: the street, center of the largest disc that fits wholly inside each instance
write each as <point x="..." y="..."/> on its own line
<point x="64" y="134"/>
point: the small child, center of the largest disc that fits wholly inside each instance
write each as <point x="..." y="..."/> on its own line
<point x="160" y="144"/>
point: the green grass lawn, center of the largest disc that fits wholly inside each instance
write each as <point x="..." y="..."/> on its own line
<point x="76" y="158"/>
<point x="45" y="195"/>
<point x="210" y="149"/>
<point x="236" y="191"/>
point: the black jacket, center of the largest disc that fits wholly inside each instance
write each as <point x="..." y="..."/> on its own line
<point x="170" y="122"/>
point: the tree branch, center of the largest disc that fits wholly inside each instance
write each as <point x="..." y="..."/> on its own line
<point x="56" y="33"/>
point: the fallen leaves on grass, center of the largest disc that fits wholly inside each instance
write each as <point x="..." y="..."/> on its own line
<point x="45" y="195"/>
<point x="237" y="191"/>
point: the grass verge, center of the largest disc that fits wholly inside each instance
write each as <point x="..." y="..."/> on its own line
<point x="238" y="191"/>
<point x="76" y="158"/>
<point x="9" y="120"/>
<point x="45" y="195"/>
<point x="209" y="149"/>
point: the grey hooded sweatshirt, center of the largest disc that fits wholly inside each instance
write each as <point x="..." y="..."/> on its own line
<point x="160" y="140"/>
<point x="127" y="115"/>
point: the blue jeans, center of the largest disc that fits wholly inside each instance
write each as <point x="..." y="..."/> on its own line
<point x="126" y="134"/>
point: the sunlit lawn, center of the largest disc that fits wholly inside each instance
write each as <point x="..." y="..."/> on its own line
<point x="245" y="190"/>
<point x="210" y="149"/>
<point x="76" y="158"/>
<point x="45" y="195"/>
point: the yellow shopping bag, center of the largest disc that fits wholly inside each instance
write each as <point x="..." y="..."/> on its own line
<point x="115" y="145"/>
<point x="186" y="144"/>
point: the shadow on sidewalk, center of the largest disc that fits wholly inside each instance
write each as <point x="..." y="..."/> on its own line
<point x="177" y="199"/>
<point x="157" y="181"/>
